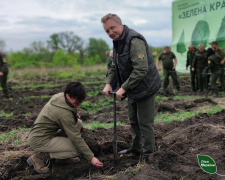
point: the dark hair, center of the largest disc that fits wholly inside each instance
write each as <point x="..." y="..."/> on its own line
<point x="214" y="42"/>
<point x="75" y="90"/>
<point x="210" y="52"/>
<point x="166" y="47"/>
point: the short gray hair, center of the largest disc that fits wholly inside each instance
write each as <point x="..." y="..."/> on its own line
<point x="111" y="16"/>
<point x="191" y="45"/>
<point x="201" y="45"/>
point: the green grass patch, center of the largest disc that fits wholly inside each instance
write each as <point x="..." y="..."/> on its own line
<point x="3" y="114"/>
<point x="160" y="98"/>
<point x="64" y="75"/>
<point x="96" y="106"/>
<point x="181" y="115"/>
<point x="39" y="97"/>
<point x="92" y="93"/>
<point x="35" y="86"/>
<point x="15" y="137"/>
<point x="97" y="124"/>
<point x="93" y="82"/>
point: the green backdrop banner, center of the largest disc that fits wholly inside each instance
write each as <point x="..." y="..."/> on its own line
<point x="196" y="21"/>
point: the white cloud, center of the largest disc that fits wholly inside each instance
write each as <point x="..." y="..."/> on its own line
<point x="25" y="21"/>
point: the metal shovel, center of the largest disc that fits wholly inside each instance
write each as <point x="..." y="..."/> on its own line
<point x="115" y="136"/>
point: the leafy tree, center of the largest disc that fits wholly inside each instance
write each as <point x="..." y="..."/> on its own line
<point x="66" y="41"/>
<point x="39" y="52"/>
<point x="97" y="47"/>
<point x="61" y="58"/>
<point x="38" y="47"/>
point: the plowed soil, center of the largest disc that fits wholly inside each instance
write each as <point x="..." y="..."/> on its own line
<point x="177" y="143"/>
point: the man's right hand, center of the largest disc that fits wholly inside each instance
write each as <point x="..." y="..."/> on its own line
<point x="107" y="89"/>
<point x="193" y="69"/>
<point x="1" y="73"/>
<point x="159" y="69"/>
<point x="96" y="162"/>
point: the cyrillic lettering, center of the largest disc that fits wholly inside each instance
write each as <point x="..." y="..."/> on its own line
<point x="212" y="8"/>
<point x="199" y="10"/>
<point x="223" y="5"/>
<point x="217" y="5"/>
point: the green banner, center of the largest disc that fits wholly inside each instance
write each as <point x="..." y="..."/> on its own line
<point x="195" y="22"/>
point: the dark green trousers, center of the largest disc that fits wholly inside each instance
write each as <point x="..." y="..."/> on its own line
<point x="222" y="79"/>
<point x="200" y="83"/>
<point x="166" y="81"/>
<point x="193" y="80"/>
<point x="141" y="116"/>
<point x="213" y="80"/>
<point x="3" y="82"/>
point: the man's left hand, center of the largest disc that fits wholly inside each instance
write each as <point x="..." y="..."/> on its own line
<point x="78" y="115"/>
<point x="120" y="93"/>
<point x="174" y="67"/>
<point x="1" y="73"/>
<point x="221" y="62"/>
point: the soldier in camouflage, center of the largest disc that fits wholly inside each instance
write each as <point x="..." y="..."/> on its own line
<point x="190" y="56"/>
<point x="219" y="52"/>
<point x="215" y="68"/>
<point x="199" y="64"/>
<point x="4" y="70"/>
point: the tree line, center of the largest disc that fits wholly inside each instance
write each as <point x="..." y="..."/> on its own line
<point x="61" y="49"/>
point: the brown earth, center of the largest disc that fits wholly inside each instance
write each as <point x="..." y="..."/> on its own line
<point x="177" y="143"/>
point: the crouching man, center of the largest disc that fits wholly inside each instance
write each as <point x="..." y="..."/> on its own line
<point x="60" y="113"/>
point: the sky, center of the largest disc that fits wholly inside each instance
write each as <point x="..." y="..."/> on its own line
<point x="25" y="21"/>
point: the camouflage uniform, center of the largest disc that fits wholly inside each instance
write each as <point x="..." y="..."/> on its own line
<point x="190" y="57"/>
<point x="4" y="69"/>
<point x="221" y="54"/>
<point x="215" y="68"/>
<point x="199" y="64"/>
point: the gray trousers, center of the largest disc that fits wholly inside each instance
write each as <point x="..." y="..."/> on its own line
<point x="141" y="116"/>
<point x="60" y="147"/>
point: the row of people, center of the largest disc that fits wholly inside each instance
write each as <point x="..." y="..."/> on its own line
<point x="205" y="63"/>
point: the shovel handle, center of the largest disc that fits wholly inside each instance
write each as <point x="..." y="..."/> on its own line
<point x="111" y="92"/>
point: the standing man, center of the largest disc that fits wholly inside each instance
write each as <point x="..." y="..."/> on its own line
<point x="3" y="74"/>
<point x="138" y="77"/>
<point x="221" y="54"/>
<point x="57" y="116"/>
<point x="190" y="56"/>
<point x="215" y="67"/>
<point x="199" y="64"/>
<point x="169" y="68"/>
